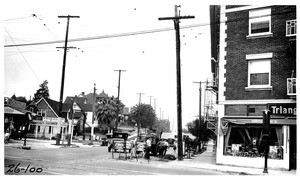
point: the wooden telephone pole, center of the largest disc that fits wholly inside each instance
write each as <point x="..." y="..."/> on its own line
<point x="118" y="99"/>
<point x="63" y="73"/>
<point x="200" y="111"/>
<point x="140" y="97"/>
<point x="64" y="61"/>
<point x="138" y="124"/>
<point x="93" y="116"/>
<point x="176" y="20"/>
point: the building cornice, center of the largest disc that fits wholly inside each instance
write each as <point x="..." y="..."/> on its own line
<point x="261" y="101"/>
<point x="243" y="8"/>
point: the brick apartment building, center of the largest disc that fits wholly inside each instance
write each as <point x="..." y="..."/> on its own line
<point x="254" y="65"/>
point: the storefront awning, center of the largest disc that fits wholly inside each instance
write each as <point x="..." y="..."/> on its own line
<point x="275" y="121"/>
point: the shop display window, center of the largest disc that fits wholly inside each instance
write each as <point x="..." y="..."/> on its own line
<point x="248" y="141"/>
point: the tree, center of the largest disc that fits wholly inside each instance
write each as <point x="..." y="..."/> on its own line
<point x="107" y="113"/>
<point x="163" y="125"/>
<point x="201" y="132"/>
<point x="19" y="98"/>
<point x="43" y="91"/>
<point x="143" y="115"/>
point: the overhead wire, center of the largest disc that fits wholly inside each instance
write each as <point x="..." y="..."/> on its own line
<point x="136" y="32"/>
<point x="44" y="24"/>
<point x="18" y="18"/>
<point x="23" y="56"/>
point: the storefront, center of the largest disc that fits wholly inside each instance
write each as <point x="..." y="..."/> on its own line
<point x="15" y="118"/>
<point x="241" y="141"/>
<point x="48" y="127"/>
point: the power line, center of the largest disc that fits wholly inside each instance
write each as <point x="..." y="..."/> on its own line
<point x="23" y="56"/>
<point x="44" y="24"/>
<point x="18" y="18"/>
<point x="139" y="32"/>
<point x="95" y="37"/>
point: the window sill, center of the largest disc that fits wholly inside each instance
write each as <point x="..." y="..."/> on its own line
<point x="267" y="88"/>
<point x="263" y="35"/>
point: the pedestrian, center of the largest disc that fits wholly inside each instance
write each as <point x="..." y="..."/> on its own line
<point x="165" y="147"/>
<point x="6" y="136"/>
<point x="147" y="149"/>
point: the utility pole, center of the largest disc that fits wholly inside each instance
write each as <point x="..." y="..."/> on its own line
<point x="93" y="118"/>
<point x="63" y="71"/>
<point x="140" y="94"/>
<point x="118" y="99"/>
<point x="200" y="112"/>
<point x="150" y="99"/>
<point x="155" y="105"/>
<point x="138" y="125"/>
<point x="176" y="20"/>
<point x="159" y="113"/>
<point x="119" y="82"/>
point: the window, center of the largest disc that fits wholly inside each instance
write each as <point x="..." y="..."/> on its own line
<point x="42" y="113"/>
<point x="259" y="78"/>
<point x="291" y="86"/>
<point x="259" y="73"/>
<point x="260" y="22"/>
<point x="248" y="141"/>
<point x="291" y="27"/>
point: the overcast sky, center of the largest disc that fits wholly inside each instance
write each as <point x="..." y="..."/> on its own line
<point x="149" y="59"/>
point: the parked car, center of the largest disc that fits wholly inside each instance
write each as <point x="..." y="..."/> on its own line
<point x="116" y="139"/>
<point x="154" y="140"/>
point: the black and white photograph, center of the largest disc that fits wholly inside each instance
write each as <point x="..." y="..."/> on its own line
<point x="140" y="88"/>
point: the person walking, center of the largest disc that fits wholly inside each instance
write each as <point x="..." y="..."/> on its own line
<point x="147" y="149"/>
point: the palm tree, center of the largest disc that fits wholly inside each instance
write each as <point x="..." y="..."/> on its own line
<point x="107" y="113"/>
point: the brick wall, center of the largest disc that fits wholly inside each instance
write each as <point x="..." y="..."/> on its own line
<point x="238" y="46"/>
<point x="244" y="110"/>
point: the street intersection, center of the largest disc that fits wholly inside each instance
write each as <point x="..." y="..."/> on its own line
<point x="86" y="160"/>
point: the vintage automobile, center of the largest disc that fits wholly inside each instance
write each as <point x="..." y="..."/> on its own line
<point x="154" y="140"/>
<point x="116" y="142"/>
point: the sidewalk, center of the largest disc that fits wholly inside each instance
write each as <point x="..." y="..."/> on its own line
<point x="207" y="160"/>
<point x="44" y="144"/>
